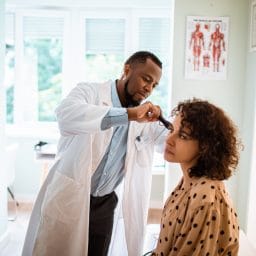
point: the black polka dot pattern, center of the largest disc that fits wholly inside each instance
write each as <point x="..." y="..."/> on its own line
<point x="198" y="218"/>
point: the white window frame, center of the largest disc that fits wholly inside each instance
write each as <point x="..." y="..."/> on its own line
<point x="101" y="14"/>
<point x="20" y="127"/>
<point x="73" y="49"/>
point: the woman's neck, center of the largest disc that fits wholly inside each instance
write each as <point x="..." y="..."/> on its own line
<point x="186" y="178"/>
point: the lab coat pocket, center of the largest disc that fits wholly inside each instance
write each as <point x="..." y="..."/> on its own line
<point x="143" y="147"/>
<point x="63" y="198"/>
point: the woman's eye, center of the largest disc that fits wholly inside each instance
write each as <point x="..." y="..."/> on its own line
<point x="184" y="137"/>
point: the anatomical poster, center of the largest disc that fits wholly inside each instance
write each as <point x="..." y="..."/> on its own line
<point x="206" y="48"/>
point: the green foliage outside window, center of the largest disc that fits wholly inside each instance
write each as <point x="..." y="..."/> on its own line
<point x="9" y="65"/>
<point x="102" y="67"/>
<point x="49" y="74"/>
<point x="9" y="104"/>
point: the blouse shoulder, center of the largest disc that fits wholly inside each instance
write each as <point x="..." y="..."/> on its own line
<point x="204" y="192"/>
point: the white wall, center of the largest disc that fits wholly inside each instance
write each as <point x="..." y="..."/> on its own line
<point x="3" y="200"/>
<point x="247" y="175"/>
<point x="228" y="94"/>
<point x="91" y="3"/>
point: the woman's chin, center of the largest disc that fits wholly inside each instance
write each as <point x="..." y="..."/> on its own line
<point x="169" y="158"/>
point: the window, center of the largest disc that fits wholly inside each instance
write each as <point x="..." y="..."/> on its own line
<point x="33" y="66"/>
<point x="154" y="36"/>
<point x="49" y="51"/>
<point x="42" y="69"/>
<point x="104" y="49"/>
<point x="9" y="67"/>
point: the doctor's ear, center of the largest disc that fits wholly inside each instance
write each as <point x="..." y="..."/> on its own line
<point x="126" y="71"/>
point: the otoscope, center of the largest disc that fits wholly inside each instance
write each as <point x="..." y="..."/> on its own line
<point x="165" y="122"/>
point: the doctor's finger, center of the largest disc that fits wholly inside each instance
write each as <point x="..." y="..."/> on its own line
<point x="154" y="112"/>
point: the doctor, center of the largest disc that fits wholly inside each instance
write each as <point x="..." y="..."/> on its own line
<point x="107" y="136"/>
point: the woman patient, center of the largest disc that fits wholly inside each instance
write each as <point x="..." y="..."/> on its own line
<point x="198" y="217"/>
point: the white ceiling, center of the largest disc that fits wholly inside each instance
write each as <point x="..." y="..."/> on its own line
<point x="90" y="3"/>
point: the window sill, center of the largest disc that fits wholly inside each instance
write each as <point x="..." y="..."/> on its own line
<point x="34" y="130"/>
<point x="49" y="132"/>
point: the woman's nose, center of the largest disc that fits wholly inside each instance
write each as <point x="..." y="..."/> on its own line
<point x="171" y="139"/>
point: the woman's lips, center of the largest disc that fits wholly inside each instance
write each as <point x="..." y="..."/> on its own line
<point x="169" y="151"/>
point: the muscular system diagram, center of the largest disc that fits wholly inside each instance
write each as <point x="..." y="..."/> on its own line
<point x="206" y="47"/>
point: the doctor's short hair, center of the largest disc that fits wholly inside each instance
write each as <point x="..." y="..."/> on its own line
<point x="141" y="57"/>
<point x="216" y="133"/>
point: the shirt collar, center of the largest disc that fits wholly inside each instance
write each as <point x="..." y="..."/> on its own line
<point x="114" y="96"/>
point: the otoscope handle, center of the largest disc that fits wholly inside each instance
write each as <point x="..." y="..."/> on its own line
<point x="165" y="122"/>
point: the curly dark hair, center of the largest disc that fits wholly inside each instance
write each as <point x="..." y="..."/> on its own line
<point x="217" y="137"/>
<point x="142" y="56"/>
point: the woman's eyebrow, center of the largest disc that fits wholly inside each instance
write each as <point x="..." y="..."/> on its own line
<point x="185" y="133"/>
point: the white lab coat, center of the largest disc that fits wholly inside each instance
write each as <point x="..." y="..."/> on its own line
<point x="59" y="221"/>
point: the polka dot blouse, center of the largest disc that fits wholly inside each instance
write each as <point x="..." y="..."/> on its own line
<point x="198" y="219"/>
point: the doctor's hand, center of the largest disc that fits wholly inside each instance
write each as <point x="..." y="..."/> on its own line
<point x="146" y="112"/>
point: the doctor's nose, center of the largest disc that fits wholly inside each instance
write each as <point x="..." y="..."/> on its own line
<point x="149" y="87"/>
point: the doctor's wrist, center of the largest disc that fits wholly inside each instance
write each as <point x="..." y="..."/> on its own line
<point x="132" y="114"/>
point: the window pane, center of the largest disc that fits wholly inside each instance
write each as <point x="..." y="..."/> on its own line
<point x="102" y="67"/>
<point x="154" y="36"/>
<point x="44" y="63"/>
<point x="9" y="66"/>
<point x="43" y="46"/>
<point x="104" y="49"/>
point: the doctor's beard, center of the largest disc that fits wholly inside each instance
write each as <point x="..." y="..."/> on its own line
<point x="129" y="98"/>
